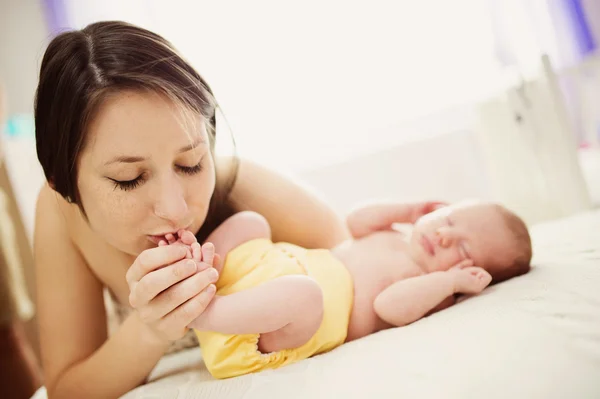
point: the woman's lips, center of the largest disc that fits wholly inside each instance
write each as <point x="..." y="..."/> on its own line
<point x="156" y="239"/>
<point x="427" y="245"/>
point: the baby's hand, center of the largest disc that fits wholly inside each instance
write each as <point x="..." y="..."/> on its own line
<point x="421" y="209"/>
<point x="469" y="279"/>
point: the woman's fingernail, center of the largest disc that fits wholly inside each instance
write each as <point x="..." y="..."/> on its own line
<point x="191" y="265"/>
<point x="211" y="289"/>
<point x="213" y="274"/>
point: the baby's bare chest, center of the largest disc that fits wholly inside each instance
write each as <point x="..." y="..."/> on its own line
<point x="377" y="261"/>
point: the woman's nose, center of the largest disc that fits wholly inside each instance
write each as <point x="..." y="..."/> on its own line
<point x="170" y="204"/>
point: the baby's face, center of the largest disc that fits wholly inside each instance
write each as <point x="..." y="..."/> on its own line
<point x="449" y="235"/>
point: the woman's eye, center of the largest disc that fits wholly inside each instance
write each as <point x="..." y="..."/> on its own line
<point x="191" y="170"/>
<point x="127" y="185"/>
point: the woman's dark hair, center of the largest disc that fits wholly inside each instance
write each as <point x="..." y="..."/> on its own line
<point x="81" y="68"/>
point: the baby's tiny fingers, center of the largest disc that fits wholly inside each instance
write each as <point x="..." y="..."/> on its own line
<point x="463" y="264"/>
<point x="484" y="275"/>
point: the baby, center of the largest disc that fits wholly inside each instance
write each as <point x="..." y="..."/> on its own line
<point x="277" y="303"/>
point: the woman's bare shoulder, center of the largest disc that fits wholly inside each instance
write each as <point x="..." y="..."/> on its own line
<point x="52" y="209"/>
<point x="295" y="212"/>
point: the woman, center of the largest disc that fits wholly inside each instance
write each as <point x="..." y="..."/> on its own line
<point x="125" y="132"/>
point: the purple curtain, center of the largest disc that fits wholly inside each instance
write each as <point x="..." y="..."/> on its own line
<point x="56" y="15"/>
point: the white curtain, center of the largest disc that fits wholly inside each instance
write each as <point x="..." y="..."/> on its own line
<point x="302" y="83"/>
<point x="306" y="83"/>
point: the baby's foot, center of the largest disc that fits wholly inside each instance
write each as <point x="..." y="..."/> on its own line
<point x="182" y="237"/>
<point x="207" y="256"/>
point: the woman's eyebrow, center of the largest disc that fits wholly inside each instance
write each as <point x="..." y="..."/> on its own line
<point x="124" y="159"/>
<point x="134" y="159"/>
<point x="192" y="145"/>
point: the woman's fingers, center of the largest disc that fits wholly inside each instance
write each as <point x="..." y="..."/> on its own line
<point x="159" y="280"/>
<point x="181" y="292"/>
<point x="191" y="309"/>
<point x="152" y="259"/>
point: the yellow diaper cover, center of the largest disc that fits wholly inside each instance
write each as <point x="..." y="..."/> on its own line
<point x="256" y="262"/>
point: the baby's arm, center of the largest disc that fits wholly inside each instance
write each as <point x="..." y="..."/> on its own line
<point x="380" y="216"/>
<point x="286" y="311"/>
<point x="407" y="301"/>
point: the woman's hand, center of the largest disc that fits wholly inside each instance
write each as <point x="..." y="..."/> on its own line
<point x="169" y="289"/>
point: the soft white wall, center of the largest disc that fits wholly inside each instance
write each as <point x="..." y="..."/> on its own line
<point x="23" y="39"/>
<point x="445" y="166"/>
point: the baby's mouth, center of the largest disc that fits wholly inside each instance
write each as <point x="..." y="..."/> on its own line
<point x="427" y="245"/>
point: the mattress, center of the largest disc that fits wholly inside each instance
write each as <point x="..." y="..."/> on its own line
<point x="535" y="336"/>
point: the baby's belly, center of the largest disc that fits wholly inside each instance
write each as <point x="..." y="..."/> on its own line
<point x="374" y="263"/>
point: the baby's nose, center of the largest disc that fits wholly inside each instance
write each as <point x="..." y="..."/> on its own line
<point x="443" y="237"/>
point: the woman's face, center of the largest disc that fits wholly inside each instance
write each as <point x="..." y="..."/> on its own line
<point x="145" y="171"/>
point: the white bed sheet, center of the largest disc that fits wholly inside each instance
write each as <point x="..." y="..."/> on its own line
<point x="536" y="336"/>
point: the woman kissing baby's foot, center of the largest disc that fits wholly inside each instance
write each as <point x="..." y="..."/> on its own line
<point x="184" y="238"/>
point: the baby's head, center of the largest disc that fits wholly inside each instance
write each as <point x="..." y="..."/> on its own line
<point x="490" y="235"/>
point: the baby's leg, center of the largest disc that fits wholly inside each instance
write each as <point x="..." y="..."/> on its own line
<point x="286" y="312"/>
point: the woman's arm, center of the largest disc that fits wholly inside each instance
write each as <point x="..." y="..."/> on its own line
<point x="78" y="360"/>
<point x="294" y="213"/>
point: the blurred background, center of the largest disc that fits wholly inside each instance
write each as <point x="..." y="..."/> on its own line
<point x="360" y="99"/>
<point x="401" y="100"/>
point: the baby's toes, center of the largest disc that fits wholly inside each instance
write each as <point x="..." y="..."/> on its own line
<point x="208" y="253"/>
<point x="171" y="239"/>
<point x="196" y="251"/>
<point x="187" y="237"/>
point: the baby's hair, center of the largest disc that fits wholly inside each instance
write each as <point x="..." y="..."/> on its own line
<point x="521" y="259"/>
